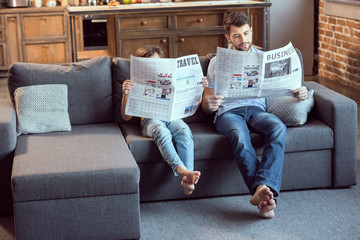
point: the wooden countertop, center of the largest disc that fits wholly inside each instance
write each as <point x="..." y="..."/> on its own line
<point x="18" y="10"/>
<point x="173" y="6"/>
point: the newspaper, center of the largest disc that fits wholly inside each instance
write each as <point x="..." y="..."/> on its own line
<point x="252" y="75"/>
<point x="165" y="88"/>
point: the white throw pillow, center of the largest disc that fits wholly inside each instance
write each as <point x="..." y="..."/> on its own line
<point x="291" y="111"/>
<point x="42" y="108"/>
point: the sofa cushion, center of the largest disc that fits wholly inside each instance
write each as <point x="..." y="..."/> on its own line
<point x="42" y="108"/>
<point x="208" y="144"/>
<point x="91" y="160"/>
<point x="291" y="111"/>
<point x="89" y="86"/>
<point x="120" y="69"/>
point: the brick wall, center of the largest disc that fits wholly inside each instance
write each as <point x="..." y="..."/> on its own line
<point x="338" y="48"/>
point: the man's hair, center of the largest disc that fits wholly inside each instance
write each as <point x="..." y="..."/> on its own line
<point x="236" y="19"/>
<point x="149" y="50"/>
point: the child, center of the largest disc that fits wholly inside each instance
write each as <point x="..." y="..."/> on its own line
<point x="182" y="161"/>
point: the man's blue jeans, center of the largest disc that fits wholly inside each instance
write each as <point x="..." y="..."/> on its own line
<point x="236" y="125"/>
<point x="163" y="132"/>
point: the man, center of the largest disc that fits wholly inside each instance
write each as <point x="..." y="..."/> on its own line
<point x="236" y="118"/>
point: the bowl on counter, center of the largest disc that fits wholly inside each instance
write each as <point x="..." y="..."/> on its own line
<point x="17" y="3"/>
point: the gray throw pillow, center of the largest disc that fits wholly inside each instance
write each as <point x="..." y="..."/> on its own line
<point x="291" y="111"/>
<point x="42" y="108"/>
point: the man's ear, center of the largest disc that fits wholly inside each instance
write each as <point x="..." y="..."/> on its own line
<point x="228" y="38"/>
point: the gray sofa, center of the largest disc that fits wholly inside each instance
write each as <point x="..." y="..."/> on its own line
<point x="88" y="183"/>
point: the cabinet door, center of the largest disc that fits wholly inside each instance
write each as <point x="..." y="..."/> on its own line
<point x="201" y="45"/>
<point x="46" y="53"/>
<point x="2" y="34"/>
<point x="129" y="46"/>
<point x="13" y="39"/>
<point x="257" y="20"/>
<point x="44" y="26"/>
<point x="2" y="28"/>
<point x="3" y="58"/>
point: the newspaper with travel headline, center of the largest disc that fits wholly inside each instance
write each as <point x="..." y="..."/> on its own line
<point x="165" y="88"/>
<point x="252" y="75"/>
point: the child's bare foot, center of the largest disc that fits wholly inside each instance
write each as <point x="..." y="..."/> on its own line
<point x="266" y="208"/>
<point x="192" y="176"/>
<point x="187" y="185"/>
<point x="262" y="193"/>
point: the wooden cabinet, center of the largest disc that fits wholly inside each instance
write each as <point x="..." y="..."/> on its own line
<point x="180" y="28"/>
<point x="3" y="54"/>
<point x="45" y="38"/>
<point x="177" y="32"/>
<point x="37" y="35"/>
<point x="256" y="19"/>
<point x="3" y="59"/>
<point x="13" y="39"/>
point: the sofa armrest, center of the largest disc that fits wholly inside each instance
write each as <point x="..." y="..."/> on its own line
<point x="7" y="128"/>
<point x="340" y="113"/>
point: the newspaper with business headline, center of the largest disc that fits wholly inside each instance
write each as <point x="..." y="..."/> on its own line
<point x="165" y="88"/>
<point x="257" y="74"/>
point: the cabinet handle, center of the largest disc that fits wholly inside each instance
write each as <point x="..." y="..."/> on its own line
<point x="200" y="20"/>
<point x="181" y="40"/>
<point x="12" y="20"/>
<point x="46" y="47"/>
<point x="43" y="19"/>
<point x="143" y="23"/>
<point x="163" y="41"/>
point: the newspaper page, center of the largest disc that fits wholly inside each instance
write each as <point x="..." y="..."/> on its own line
<point x="253" y="75"/>
<point x="165" y="88"/>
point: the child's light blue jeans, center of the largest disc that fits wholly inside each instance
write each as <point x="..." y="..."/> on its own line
<point x="163" y="132"/>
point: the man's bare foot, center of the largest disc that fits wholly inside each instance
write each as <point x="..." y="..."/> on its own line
<point x="187" y="185"/>
<point x="262" y="193"/>
<point x="266" y="208"/>
<point x="192" y="176"/>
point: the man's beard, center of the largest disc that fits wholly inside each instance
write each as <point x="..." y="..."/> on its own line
<point x="239" y="48"/>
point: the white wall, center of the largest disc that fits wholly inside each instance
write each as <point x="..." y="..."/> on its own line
<point x="293" y="20"/>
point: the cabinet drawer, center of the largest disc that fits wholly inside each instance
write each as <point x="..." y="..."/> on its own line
<point x="44" y="26"/>
<point x="143" y="22"/>
<point x="46" y="53"/>
<point x="199" y="20"/>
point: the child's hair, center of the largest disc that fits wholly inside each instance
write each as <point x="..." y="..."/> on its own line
<point x="237" y="19"/>
<point x="149" y="50"/>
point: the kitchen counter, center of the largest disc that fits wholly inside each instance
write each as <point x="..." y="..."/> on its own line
<point x="17" y="10"/>
<point x="174" y="6"/>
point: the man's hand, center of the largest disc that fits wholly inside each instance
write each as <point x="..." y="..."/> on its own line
<point x="300" y="93"/>
<point x="213" y="102"/>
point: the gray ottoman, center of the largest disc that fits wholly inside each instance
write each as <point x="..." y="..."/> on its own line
<point x="82" y="184"/>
